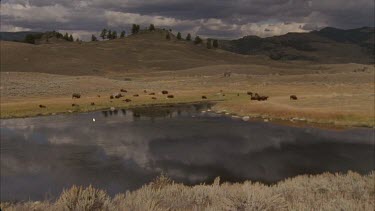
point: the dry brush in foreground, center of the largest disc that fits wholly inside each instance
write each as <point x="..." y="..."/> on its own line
<point x="327" y="191"/>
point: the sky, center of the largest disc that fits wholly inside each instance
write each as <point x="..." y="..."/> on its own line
<point x="228" y="19"/>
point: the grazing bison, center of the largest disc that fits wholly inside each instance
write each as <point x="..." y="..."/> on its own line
<point x="256" y="96"/>
<point x="76" y="95"/>
<point x="145" y="91"/>
<point x="119" y="95"/>
<point x="73" y="104"/>
<point x="154" y="98"/>
<point x="227" y="74"/>
<point x="92" y="103"/>
<point x="170" y="96"/>
<point x="250" y="93"/>
<point x="293" y="97"/>
<point x="136" y="95"/>
<point x="98" y="95"/>
<point x="123" y="90"/>
<point x="127" y="100"/>
<point x="42" y="106"/>
<point x="111" y="97"/>
<point x="152" y="93"/>
<point x="164" y="92"/>
<point x="238" y="94"/>
<point x="263" y="98"/>
<point x="204" y="97"/>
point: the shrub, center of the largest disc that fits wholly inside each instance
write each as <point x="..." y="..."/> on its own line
<point x="79" y="198"/>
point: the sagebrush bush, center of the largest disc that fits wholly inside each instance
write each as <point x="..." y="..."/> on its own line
<point x="79" y="198"/>
<point x="327" y="191"/>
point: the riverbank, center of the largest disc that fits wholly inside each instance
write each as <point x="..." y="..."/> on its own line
<point x="326" y="191"/>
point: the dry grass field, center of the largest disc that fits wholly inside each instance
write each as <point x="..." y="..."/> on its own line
<point x="335" y="94"/>
<point x="349" y="191"/>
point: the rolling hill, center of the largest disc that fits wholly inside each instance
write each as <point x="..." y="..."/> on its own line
<point x="329" y="45"/>
<point x="143" y="52"/>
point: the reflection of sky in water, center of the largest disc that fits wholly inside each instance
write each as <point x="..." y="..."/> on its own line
<point x="123" y="150"/>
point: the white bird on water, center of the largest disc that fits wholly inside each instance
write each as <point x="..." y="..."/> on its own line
<point x="93" y="119"/>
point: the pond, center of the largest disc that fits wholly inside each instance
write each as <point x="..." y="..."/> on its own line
<point x="125" y="149"/>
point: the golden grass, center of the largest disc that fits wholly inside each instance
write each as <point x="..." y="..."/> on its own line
<point x="327" y="191"/>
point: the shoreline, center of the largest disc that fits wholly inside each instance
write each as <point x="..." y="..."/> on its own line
<point x="293" y="121"/>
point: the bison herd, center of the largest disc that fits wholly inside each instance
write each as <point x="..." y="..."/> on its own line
<point x="253" y="96"/>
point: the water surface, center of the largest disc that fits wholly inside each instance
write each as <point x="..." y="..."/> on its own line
<point x="124" y="149"/>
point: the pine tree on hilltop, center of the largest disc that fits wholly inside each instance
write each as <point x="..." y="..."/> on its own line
<point x="109" y="34"/>
<point x="93" y="38"/>
<point x="114" y="35"/>
<point x="103" y="35"/>
<point x="135" y="28"/>
<point x="151" y="28"/>
<point x="66" y="36"/>
<point x="179" y="36"/>
<point x="197" y="40"/>
<point x="122" y="35"/>
<point x="215" y="44"/>
<point x="71" y="39"/>
<point x="188" y="37"/>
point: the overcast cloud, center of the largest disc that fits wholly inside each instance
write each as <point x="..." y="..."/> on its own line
<point x="208" y="18"/>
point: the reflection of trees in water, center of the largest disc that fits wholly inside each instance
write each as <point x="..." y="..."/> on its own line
<point x="159" y="111"/>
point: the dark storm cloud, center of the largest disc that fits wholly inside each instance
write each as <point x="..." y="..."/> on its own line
<point x="212" y="18"/>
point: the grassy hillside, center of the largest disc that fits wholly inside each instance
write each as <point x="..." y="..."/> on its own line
<point x="328" y="45"/>
<point x="144" y="52"/>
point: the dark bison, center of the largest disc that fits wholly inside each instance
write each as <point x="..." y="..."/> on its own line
<point x="152" y="93"/>
<point x="92" y="103"/>
<point x="293" y="97"/>
<point x="76" y="95"/>
<point x="250" y="93"/>
<point x="123" y="90"/>
<point x="136" y="95"/>
<point x="256" y="96"/>
<point x="227" y="74"/>
<point x="119" y="95"/>
<point x="111" y="97"/>
<point x="73" y="104"/>
<point x="127" y="100"/>
<point x="154" y="98"/>
<point x="42" y="106"/>
<point x="145" y="91"/>
<point x="170" y="96"/>
<point x="263" y="98"/>
<point x="204" y="97"/>
<point x="164" y="92"/>
<point x="98" y="95"/>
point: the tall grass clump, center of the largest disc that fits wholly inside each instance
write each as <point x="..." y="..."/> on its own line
<point x="327" y="191"/>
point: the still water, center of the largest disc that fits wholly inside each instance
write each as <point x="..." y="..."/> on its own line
<point x="124" y="149"/>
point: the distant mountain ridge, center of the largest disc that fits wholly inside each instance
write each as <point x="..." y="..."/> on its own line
<point x="326" y="45"/>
